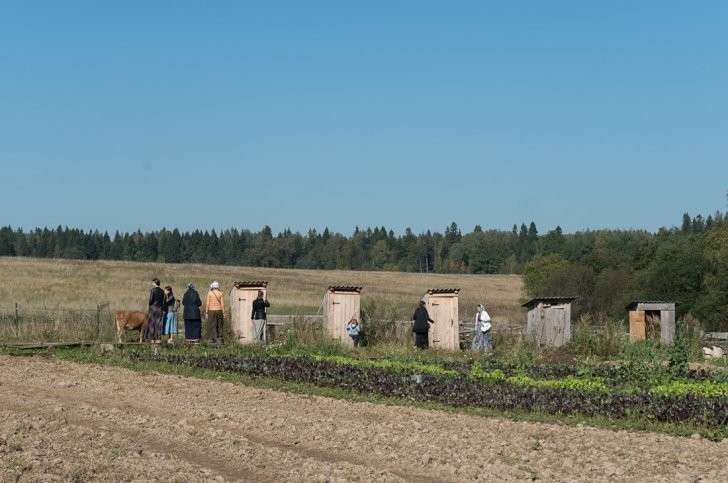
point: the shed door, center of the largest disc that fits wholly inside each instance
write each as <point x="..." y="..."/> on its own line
<point x="557" y="323"/>
<point x="344" y="307"/>
<point x="340" y="310"/>
<point x="441" y="331"/>
<point x="637" y="325"/>
<point x="244" y="329"/>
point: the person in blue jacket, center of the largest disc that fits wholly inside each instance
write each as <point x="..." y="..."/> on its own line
<point x="354" y="330"/>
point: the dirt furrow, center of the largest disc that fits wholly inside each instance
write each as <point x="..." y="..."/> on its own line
<point x="239" y="432"/>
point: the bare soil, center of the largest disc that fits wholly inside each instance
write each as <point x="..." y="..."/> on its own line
<point x="61" y="421"/>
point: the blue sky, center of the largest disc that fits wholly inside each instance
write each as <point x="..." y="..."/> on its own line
<point x="125" y="115"/>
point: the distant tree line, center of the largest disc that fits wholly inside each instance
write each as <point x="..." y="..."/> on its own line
<point x="369" y="249"/>
<point x="604" y="268"/>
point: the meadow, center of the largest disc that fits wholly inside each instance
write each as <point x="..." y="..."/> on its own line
<point x="52" y="284"/>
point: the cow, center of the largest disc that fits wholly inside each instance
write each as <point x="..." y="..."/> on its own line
<point x="133" y="320"/>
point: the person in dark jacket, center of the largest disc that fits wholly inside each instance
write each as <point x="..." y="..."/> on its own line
<point x="154" y="318"/>
<point x="192" y="302"/>
<point x="260" y="317"/>
<point x="421" y="326"/>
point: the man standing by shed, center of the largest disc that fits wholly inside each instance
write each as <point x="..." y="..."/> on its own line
<point x="260" y="317"/>
<point x="421" y="326"/>
<point x="215" y="313"/>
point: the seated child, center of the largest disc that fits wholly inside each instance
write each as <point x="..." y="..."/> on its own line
<point x="354" y="329"/>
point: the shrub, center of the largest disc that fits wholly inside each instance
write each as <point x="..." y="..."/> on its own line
<point x="642" y="364"/>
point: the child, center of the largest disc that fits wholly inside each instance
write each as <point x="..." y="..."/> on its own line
<point x="354" y="329"/>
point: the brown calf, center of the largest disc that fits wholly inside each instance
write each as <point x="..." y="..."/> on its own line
<point x="130" y="321"/>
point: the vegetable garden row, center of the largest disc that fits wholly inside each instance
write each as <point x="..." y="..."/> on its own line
<point x="605" y="390"/>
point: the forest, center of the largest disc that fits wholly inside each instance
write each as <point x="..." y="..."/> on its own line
<point x="605" y="268"/>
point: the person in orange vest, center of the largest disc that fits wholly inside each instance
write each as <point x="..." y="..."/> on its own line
<point x="214" y="310"/>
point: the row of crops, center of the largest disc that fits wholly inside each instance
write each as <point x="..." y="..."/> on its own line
<point x="695" y="397"/>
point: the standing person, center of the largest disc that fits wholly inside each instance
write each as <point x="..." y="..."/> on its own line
<point x="170" y="321"/>
<point x="354" y="330"/>
<point x="163" y="320"/>
<point x="421" y="326"/>
<point x="475" y="345"/>
<point x="215" y="313"/>
<point x="154" y="318"/>
<point x="260" y="317"/>
<point x="193" y="320"/>
<point x="482" y="339"/>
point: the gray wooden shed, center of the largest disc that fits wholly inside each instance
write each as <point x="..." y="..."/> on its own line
<point x="652" y="319"/>
<point x="443" y="306"/>
<point x="549" y="320"/>
<point x="242" y="296"/>
<point x="341" y="304"/>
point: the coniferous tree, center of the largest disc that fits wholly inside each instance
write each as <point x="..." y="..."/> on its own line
<point x="687" y="223"/>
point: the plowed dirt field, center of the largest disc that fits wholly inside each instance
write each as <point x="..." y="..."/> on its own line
<point x="61" y="421"/>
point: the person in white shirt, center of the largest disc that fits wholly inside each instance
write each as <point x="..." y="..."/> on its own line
<point x="482" y="337"/>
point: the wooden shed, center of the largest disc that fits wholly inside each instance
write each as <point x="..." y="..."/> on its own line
<point x="442" y="305"/>
<point x="652" y="319"/>
<point x="549" y="320"/>
<point x="242" y="296"/>
<point x="341" y="304"/>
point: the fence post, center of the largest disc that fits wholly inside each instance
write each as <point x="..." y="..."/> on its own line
<point x="17" y="321"/>
<point x="98" y="321"/>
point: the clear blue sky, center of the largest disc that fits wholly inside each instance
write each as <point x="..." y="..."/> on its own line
<point x="120" y="115"/>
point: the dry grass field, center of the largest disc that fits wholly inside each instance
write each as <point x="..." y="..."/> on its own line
<point x="73" y="284"/>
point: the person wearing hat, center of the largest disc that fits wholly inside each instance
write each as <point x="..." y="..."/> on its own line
<point x="421" y="326"/>
<point x="193" y="320"/>
<point x="215" y="313"/>
<point x="482" y="338"/>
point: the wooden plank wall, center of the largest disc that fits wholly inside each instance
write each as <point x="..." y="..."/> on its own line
<point x="637" y="325"/>
<point x="549" y="325"/>
<point x="241" y="305"/>
<point x="445" y="332"/>
<point x="340" y="308"/>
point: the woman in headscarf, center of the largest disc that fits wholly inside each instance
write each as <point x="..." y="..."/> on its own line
<point x="482" y="337"/>
<point x="193" y="319"/>
<point x="215" y="313"/>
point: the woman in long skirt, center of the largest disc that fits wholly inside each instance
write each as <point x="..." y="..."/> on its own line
<point x="154" y="323"/>
<point x="170" y="321"/>
<point x="477" y="333"/>
<point x="193" y="319"/>
<point x="154" y="318"/>
<point x="482" y="337"/>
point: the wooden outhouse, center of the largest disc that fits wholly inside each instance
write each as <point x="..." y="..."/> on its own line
<point x="549" y="320"/>
<point x="442" y="305"/>
<point x="341" y="304"/>
<point x="242" y="296"/>
<point x="652" y="319"/>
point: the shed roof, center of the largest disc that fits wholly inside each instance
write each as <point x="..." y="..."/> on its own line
<point x="550" y="300"/>
<point x="635" y="303"/>
<point x="435" y="291"/>
<point x="344" y="288"/>
<point x="251" y="283"/>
